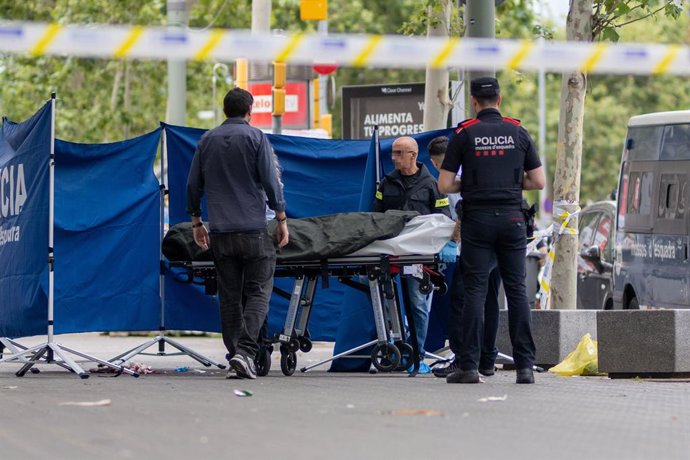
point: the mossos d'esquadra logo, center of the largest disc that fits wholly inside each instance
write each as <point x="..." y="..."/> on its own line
<point x="12" y="198"/>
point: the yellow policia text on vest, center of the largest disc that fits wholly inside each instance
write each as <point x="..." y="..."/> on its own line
<point x="441" y="202"/>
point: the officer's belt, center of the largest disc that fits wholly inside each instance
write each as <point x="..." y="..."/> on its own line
<point x="490" y="205"/>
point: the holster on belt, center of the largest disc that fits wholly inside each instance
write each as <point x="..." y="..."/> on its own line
<point x="458" y="209"/>
<point x="529" y="212"/>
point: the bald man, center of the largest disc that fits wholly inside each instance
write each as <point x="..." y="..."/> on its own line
<point x="411" y="187"/>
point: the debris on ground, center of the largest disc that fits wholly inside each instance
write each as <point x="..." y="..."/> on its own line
<point x="243" y="393"/>
<point x="417" y="412"/>
<point x="493" y="398"/>
<point x="139" y="368"/>
<point x="102" y="402"/>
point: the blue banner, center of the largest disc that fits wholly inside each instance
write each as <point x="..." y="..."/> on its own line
<point x="321" y="177"/>
<point x="107" y="236"/>
<point x="24" y="208"/>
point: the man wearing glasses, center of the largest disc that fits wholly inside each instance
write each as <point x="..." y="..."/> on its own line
<point x="411" y="187"/>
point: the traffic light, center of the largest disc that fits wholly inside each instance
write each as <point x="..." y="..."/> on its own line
<point x="279" y="80"/>
<point x="241" y="73"/>
<point x="313" y="10"/>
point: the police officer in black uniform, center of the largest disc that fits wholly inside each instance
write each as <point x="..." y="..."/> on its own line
<point x="411" y="187"/>
<point x="498" y="160"/>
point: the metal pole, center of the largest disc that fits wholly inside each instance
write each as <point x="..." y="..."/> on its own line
<point x="480" y="16"/>
<point x="213" y="98"/>
<point x="377" y="149"/>
<point x="214" y="106"/>
<point x="163" y="193"/>
<point x="544" y="214"/>
<point x="277" y="124"/>
<point x="323" y="79"/>
<point x="51" y="219"/>
<point x="543" y="193"/>
<point x="177" y="68"/>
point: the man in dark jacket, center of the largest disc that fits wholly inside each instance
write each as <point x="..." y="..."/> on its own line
<point x="233" y="166"/>
<point x="411" y="187"/>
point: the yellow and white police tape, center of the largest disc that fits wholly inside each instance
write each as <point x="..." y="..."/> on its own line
<point x="563" y="213"/>
<point x="355" y="50"/>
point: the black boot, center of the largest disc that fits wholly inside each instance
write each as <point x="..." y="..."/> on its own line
<point x="461" y="376"/>
<point x="524" y="375"/>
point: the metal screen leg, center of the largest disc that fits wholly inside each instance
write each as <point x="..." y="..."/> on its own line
<point x="34" y="359"/>
<point x="161" y="340"/>
<point x="339" y="355"/>
<point x="123" y="357"/>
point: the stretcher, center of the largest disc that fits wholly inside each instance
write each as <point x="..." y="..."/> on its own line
<point x="377" y="275"/>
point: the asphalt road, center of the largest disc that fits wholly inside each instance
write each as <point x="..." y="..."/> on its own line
<point x="319" y="415"/>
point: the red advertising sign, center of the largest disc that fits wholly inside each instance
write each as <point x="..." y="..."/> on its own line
<point x="296" y="105"/>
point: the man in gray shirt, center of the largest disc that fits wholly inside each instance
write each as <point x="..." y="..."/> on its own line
<point x="233" y="166"/>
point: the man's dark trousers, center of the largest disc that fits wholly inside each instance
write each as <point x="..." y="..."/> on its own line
<point x="245" y="262"/>
<point x="489" y="352"/>
<point x="498" y="234"/>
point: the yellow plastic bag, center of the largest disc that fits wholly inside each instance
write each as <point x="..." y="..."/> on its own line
<point x="582" y="361"/>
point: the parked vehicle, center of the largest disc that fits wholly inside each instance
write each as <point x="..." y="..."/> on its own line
<point x="651" y="267"/>
<point x="595" y="261"/>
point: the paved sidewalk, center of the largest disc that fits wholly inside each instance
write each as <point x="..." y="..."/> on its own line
<point x="319" y="415"/>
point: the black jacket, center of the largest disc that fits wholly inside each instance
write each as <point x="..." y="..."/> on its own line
<point x="421" y="194"/>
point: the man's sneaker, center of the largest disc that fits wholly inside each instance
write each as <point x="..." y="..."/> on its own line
<point x="232" y="374"/>
<point x="460" y="376"/>
<point x="443" y="372"/>
<point x="243" y="366"/>
<point x="423" y="369"/>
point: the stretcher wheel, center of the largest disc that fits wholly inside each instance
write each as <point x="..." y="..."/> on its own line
<point x="305" y="345"/>
<point x="406" y="356"/>
<point x="425" y="286"/>
<point x="263" y="362"/>
<point x="288" y="362"/>
<point x="442" y="289"/>
<point x="294" y="344"/>
<point x="385" y="357"/>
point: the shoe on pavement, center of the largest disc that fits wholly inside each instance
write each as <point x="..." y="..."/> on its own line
<point x="232" y="374"/>
<point x="488" y="372"/>
<point x="460" y="376"/>
<point x="423" y="369"/>
<point x="443" y="372"/>
<point x="524" y="376"/>
<point x="243" y="366"/>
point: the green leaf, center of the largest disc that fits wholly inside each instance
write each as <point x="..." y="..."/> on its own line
<point x="610" y="34"/>
<point x="622" y="9"/>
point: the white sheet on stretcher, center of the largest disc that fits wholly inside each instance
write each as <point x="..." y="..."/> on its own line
<point x="423" y="235"/>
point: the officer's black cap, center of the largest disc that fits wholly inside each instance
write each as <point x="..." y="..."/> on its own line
<point x="484" y="87"/>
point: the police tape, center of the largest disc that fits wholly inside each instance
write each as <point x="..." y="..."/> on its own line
<point x="563" y="213"/>
<point x="396" y="51"/>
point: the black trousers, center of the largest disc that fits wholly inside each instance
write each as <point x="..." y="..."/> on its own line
<point x="245" y="263"/>
<point x="487" y="235"/>
<point x="489" y="352"/>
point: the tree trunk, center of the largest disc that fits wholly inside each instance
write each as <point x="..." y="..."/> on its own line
<point x="436" y="100"/>
<point x="116" y="86"/>
<point x="127" y="99"/>
<point x="566" y="187"/>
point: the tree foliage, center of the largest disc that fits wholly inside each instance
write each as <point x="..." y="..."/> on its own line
<point x="107" y="100"/>
<point x="610" y="16"/>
